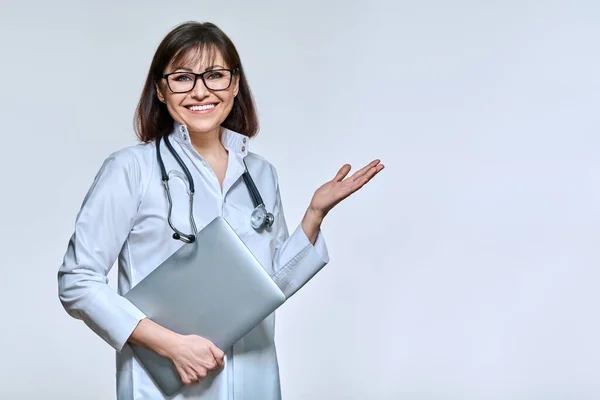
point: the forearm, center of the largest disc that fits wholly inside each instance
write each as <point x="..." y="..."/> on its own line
<point x="153" y="336"/>
<point x="311" y="224"/>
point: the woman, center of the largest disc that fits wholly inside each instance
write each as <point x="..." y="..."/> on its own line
<point x="197" y="96"/>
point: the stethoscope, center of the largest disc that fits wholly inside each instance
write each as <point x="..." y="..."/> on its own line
<point x="259" y="218"/>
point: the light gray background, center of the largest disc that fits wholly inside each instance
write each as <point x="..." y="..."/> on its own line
<point x="467" y="270"/>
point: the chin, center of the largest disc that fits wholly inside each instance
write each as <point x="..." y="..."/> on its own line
<point x="202" y="127"/>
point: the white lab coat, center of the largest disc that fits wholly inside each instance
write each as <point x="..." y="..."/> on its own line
<point x="124" y="217"/>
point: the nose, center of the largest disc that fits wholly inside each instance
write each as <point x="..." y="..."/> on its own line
<point x="200" y="90"/>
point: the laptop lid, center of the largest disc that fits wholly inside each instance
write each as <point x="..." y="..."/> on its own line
<point x="214" y="288"/>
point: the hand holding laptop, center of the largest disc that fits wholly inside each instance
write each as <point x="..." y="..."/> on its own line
<point x="192" y="356"/>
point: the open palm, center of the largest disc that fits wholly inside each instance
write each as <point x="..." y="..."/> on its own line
<point x="333" y="192"/>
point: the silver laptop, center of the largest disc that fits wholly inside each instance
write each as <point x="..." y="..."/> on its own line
<point x="214" y="288"/>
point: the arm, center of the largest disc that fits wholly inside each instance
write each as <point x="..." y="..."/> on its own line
<point x="300" y="256"/>
<point x="311" y="225"/>
<point x="154" y="337"/>
<point x="101" y="228"/>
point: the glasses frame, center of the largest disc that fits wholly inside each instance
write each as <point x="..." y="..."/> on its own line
<point x="232" y="71"/>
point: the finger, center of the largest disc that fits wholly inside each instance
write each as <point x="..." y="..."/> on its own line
<point x="372" y="172"/>
<point x="361" y="172"/>
<point x="188" y="377"/>
<point x="342" y="173"/>
<point x="218" y="355"/>
<point x="210" y="363"/>
<point x="197" y="374"/>
<point x="185" y="379"/>
<point x="220" y="361"/>
<point x="368" y="176"/>
<point x="183" y="374"/>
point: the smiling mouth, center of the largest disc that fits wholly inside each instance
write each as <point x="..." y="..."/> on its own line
<point x="204" y="107"/>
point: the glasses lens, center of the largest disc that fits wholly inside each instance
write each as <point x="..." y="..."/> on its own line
<point x="181" y="82"/>
<point x="217" y="79"/>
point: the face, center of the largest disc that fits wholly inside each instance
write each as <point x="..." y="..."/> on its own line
<point x="203" y="109"/>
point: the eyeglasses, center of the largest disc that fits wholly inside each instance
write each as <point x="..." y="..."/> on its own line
<point x="214" y="79"/>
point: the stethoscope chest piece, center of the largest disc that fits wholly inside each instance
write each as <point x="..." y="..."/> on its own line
<point x="260" y="218"/>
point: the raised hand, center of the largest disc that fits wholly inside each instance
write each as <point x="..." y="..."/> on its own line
<point x="333" y="192"/>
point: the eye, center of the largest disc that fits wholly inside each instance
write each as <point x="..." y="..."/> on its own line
<point x="182" y="77"/>
<point x="215" y="75"/>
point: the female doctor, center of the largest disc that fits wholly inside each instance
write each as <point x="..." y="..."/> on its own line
<point x="197" y="100"/>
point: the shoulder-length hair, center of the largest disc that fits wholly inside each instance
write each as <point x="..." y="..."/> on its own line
<point x="193" y="41"/>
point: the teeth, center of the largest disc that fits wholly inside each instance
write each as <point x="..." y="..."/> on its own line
<point x="201" y="108"/>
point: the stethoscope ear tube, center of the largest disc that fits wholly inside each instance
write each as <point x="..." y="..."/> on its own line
<point x="163" y="172"/>
<point x="256" y="199"/>
<point x="186" y="171"/>
<point x="267" y="219"/>
<point x="254" y="193"/>
<point x="177" y="235"/>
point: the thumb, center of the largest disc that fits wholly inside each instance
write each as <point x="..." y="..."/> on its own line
<point x="342" y="172"/>
<point x="217" y="354"/>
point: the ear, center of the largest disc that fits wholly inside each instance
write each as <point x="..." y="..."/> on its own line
<point x="159" y="93"/>
<point x="236" y="84"/>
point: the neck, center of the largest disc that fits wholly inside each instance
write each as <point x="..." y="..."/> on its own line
<point x="208" y="144"/>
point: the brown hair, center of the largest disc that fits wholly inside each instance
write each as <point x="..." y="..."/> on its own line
<point x="198" y="40"/>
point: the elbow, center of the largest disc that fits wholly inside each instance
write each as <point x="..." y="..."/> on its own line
<point x="75" y="290"/>
<point x="67" y="294"/>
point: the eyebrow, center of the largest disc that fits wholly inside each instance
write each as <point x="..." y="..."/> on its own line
<point x="186" y="69"/>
